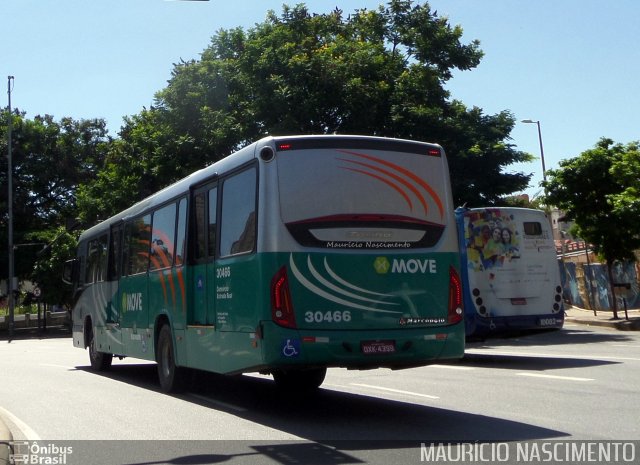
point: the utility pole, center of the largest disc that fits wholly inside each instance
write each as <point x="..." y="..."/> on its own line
<point x="10" y="283"/>
<point x="544" y="169"/>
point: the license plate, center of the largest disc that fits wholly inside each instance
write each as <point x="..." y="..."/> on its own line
<point x="547" y="321"/>
<point x="378" y="347"/>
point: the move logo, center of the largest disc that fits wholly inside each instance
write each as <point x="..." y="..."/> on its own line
<point x="381" y="265"/>
<point x="404" y="266"/>
<point x="132" y="302"/>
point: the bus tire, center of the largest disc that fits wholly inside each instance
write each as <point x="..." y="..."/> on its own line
<point x="299" y="380"/>
<point x="171" y="377"/>
<point x="100" y="361"/>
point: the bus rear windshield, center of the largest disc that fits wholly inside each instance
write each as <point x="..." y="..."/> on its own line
<point x="362" y="197"/>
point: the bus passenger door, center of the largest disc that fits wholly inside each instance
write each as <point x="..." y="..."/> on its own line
<point x="202" y="308"/>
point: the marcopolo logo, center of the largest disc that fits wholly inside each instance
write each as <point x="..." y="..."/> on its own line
<point x="400" y="266"/>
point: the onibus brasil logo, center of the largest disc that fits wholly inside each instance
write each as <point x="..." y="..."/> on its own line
<point x="27" y="452"/>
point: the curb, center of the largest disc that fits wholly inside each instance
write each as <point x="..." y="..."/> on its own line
<point x="620" y="325"/>
<point x="5" y="440"/>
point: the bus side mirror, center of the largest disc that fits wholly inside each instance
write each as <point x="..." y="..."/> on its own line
<point x="70" y="271"/>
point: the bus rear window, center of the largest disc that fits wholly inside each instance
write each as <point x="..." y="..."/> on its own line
<point x="362" y="197"/>
<point x="532" y="228"/>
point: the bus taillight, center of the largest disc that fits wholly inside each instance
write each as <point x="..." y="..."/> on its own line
<point x="455" y="297"/>
<point x="281" y="306"/>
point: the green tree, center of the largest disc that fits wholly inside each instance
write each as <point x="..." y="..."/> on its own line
<point x="379" y="72"/>
<point x="50" y="159"/>
<point x="47" y="272"/>
<point x="600" y="191"/>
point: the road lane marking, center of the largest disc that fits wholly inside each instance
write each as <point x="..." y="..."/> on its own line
<point x="533" y="354"/>
<point x="451" y="367"/>
<point x="565" y="378"/>
<point x="26" y="431"/>
<point x="396" y="391"/>
<point x="218" y="403"/>
<point x="66" y="367"/>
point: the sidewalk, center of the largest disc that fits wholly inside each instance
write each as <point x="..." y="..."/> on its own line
<point x="603" y="318"/>
<point x="35" y="333"/>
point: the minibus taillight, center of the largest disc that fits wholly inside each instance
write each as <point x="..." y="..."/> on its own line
<point x="455" y="297"/>
<point x="281" y="306"/>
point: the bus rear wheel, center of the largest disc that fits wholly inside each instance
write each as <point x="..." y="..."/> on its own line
<point x="100" y="361"/>
<point x="170" y="375"/>
<point x="299" y="380"/>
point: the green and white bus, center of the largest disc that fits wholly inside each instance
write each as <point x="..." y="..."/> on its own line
<point x="292" y="255"/>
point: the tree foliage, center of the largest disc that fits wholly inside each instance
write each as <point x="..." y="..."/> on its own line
<point x="47" y="271"/>
<point x="377" y="72"/>
<point x="600" y="191"/>
<point x="50" y="159"/>
<point x="135" y="166"/>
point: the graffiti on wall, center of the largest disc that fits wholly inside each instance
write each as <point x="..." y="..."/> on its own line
<point x="587" y="286"/>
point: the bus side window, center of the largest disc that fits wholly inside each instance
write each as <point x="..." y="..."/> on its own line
<point x="115" y="253"/>
<point x="205" y="206"/>
<point x="96" y="269"/>
<point x="212" y="224"/>
<point x="92" y="257"/>
<point x="101" y="274"/>
<point x="163" y="235"/>
<point x="238" y="219"/>
<point x="137" y="245"/>
<point x="181" y="233"/>
<point x="82" y="263"/>
<point x="200" y="221"/>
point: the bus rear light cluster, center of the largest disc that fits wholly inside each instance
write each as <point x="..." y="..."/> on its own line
<point x="479" y="302"/>
<point x="558" y="299"/>
<point x="281" y="307"/>
<point x="455" y="297"/>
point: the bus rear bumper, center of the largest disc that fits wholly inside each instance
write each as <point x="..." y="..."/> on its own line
<point x="362" y="349"/>
<point x="484" y="327"/>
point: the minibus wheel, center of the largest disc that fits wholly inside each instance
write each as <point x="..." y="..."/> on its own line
<point x="299" y="380"/>
<point x="100" y="361"/>
<point x="170" y="375"/>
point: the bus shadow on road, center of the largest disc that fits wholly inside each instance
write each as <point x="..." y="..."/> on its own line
<point x="564" y="336"/>
<point x="526" y="362"/>
<point x="353" y="420"/>
<point x="338" y="418"/>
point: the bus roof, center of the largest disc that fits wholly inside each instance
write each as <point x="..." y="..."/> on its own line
<point x="246" y="154"/>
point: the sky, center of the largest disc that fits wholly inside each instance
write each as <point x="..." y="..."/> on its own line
<point x="572" y="65"/>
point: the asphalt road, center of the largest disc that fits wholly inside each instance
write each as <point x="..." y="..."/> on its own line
<point x="580" y="383"/>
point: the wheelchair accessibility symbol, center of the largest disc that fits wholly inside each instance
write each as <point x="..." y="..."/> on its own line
<point x="291" y="347"/>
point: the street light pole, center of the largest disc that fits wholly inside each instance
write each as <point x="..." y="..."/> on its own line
<point x="10" y="284"/>
<point x="544" y="176"/>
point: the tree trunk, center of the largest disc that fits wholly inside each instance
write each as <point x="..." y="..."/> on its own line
<point x="613" y="289"/>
